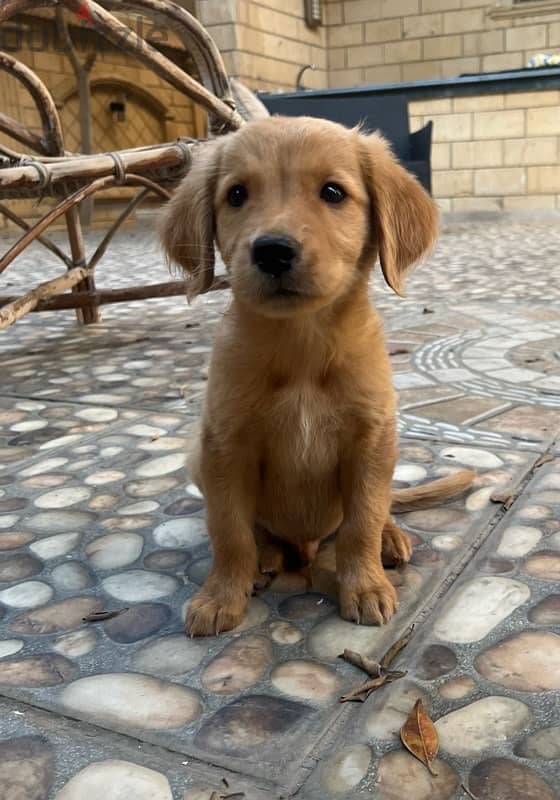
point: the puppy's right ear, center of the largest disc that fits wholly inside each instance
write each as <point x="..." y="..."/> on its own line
<point x="187" y="225"/>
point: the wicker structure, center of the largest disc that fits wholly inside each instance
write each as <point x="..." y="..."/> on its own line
<point x="71" y="178"/>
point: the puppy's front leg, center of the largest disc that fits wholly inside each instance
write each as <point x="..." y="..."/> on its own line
<point x="228" y="475"/>
<point x="366" y="596"/>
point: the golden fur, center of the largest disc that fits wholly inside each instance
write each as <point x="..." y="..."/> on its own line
<point x="299" y="437"/>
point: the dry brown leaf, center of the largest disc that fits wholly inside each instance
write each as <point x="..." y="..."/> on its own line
<point x="419" y="736"/>
<point x="399" y="351"/>
<point x="102" y="616"/>
<point x="396" y="648"/>
<point x="368" y="665"/>
<point x="544" y="460"/>
<point x="504" y="497"/>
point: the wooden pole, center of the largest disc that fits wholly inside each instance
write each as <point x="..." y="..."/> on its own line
<point x="11" y="312"/>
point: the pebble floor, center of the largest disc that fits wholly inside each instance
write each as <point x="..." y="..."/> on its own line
<point x="97" y="514"/>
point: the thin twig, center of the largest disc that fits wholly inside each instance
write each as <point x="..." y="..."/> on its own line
<point x="396" y="648"/>
<point x="468" y="791"/>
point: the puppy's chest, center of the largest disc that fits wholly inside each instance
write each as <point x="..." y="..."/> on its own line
<point x="302" y="429"/>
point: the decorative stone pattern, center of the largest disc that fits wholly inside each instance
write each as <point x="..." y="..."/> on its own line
<point x="97" y="515"/>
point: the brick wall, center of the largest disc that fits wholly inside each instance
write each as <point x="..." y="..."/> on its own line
<point x="494" y="152"/>
<point x="382" y="41"/>
<point x="266" y="42"/>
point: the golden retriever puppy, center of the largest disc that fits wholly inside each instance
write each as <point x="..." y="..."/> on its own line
<point x="299" y="437"/>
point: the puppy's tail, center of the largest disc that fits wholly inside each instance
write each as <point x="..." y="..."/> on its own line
<point x="429" y="494"/>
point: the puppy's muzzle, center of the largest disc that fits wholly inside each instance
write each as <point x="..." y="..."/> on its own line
<point x="275" y="254"/>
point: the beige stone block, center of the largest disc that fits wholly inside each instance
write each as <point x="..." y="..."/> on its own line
<point x="362" y="10"/>
<point x="453" y="128"/>
<point x="546" y="97"/>
<point x="543" y="180"/>
<point x="422" y="25"/>
<point x="416" y="123"/>
<point x="501" y="181"/>
<point x="385" y="73"/>
<point x="531" y="151"/>
<point x="464" y="21"/>
<point x="365" y="56"/>
<point x="477" y="154"/>
<point x="499" y="124"/>
<point x="480" y="102"/>
<point x="421" y="70"/>
<point x="465" y="204"/>
<point x="337" y="58"/>
<point x="442" y="47"/>
<point x="444" y="204"/>
<point x="441" y="155"/>
<point x="50" y="62"/>
<point x="399" y="8"/>
<point x="475" y="44"/>
<point x="543" y="121"/>
<point x="229" y="37"/>
<point x="530" y="37"/>
<point x="453" y="183"/>
<point x="216" y="12"/>
<point x="266" y="19"/>
<point x="428" y="6"/>
<point x="333" y="14"/>
<point x="441" y="105"/>
<point x="318" y="79"/>
<point x="554" y="34"/>
<point x="318" y="57"/>
<point x="345" y="77"/>
<point x="501" y="61"/>
<point x="314" y="36"/>
<point x="386" y="30"/>
<point x="345" y="35"/>
<point x="454" y="67"/>
<point x="293" y="7"/>
<point x="529" y="202"/>
<point x="399" y="52"/>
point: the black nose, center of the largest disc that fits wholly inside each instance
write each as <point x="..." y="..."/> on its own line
<point x="274" y="254"/>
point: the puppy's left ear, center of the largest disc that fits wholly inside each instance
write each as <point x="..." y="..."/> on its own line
<point x="404" y="216"/>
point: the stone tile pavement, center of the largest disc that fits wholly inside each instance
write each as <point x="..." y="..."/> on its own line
<point x="96" y="514"/>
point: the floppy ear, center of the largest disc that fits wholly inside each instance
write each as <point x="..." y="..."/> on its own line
<point x="404" y="216"/>
<point x="187" y="224"/>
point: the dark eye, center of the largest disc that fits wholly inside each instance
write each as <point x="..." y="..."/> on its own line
<point x="237" y="196"/>
<point x="332" y="193"/>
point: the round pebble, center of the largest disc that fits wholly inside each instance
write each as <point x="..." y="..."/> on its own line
<point x="183" y="506"/>
<point x="9" y="647"/>
<point x="527" y="662"/>
<point x="104" y="477"/>
<point x="408" y="473"/>
<point x="28" y="594"/>
<point x="534" y="512"/>
<point x="543" y="744"/>
<point x="116" y="780"/>
<point x="138" y="622"/>
<point x="127" y="700"/>
<point x="181" y="532"/>
<point x="162" y="444"/>
<point x="305" y="680"/>
<point x="485" y="723"/>
<point x="285" y="633"/>
<point x="436" y="520"/>
<point x="257" y="613"/>
<point x="436" y="660"/>
<point x="472" y="457"/>
<point x="142" y="507"/>
<point x="76" y="644"/>
<point x="56" y="546"/>
<point x="115" y="550"/>
<point x="518" y="540"/>
<point x="47" y="465"/>
<point x="138" y="585"/>
<point x="59" y="521"/>
<point x="479" y="499"/>
<point x="98" y="414"/>
<point x="238" y="666"/>
<point x="194" y="491"/>
<point x="545" y="565"/>
<point x="8" y="521"/>
<point x="399" y="698"/>
<point x="14" y="540"/>
<point x="547" y="612"/>
<point x="403" y="776"/>
<point x="48" y="481"/>
<point x="446" y="542"/>
<point x="163" y="465"/>
<point x="305" y="606"/>
<point x="478" y="607"/>
<point x="37" y="671"/>
<point x="57" y="617"/>
<point x="457" y="688"/>
<point x="170" y="655"/>
<point x="18" y="567"/>
<point x="27" y="767"/>
<point x="154" y="487"/>
<point x="167" y="560"/>
<point x="12" y="504"/>
<point x="72" y="577"/>
<point x="502" y="779"/>
<point x="343" y="771"/>
<point x="326" y="636"/>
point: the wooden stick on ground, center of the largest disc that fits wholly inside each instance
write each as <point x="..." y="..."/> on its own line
<point x="19" y="308"/>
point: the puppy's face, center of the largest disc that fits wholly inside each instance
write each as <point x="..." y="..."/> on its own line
<point x="300" y="208"/>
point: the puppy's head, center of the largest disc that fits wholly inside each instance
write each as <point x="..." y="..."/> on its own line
<point x="300" y="208"/>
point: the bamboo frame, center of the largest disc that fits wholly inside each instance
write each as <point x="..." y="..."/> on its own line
<point x="72" y="178"/>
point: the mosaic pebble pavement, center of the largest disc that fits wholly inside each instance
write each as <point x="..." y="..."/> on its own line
<point x="97" y="514"/>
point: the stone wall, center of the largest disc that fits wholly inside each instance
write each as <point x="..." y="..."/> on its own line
<point x="494" y="152"/>
<point x="385" y="41"/>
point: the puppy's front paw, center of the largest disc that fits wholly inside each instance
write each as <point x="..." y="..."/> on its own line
<point x="396" y="547"/>
<point x="367" y="600"/>
<point x="213" y="610"/>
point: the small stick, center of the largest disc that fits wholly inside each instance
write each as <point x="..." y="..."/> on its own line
<point x="102" y="616"/>
<point x="396" y="648"/>
<point x="468" y="791"/>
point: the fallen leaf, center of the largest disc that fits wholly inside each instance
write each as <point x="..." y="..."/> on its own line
<point x="237" y="795"/>
<point x="427" y="311"/>
<point x="396" y="648"/>
<point x="504" y="497"/>
<point x="543" y="460"/>
<point x="399" y="351"/>
<point x="368" y="665"/>
<point x="101" y="616"/>
<point x="419" y="736"/>
<point x="361" y="693"/>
